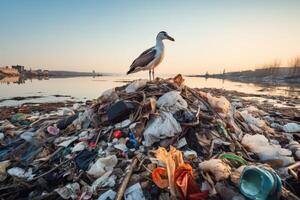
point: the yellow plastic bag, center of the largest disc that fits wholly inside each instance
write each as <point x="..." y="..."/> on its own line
<point x="172" y="160"/>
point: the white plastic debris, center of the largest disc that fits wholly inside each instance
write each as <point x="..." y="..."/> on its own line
<point x="190" y="154"/>
<point x="220" y="104"/>
<point x="83" y="120"/>
<point x="291" y="128"/>
<point x="217" y="167"/>
<point x="134" y="192"/>
<point x="109" y="95"/>
<point x="103" y="165"/>
<point x="65" y="111"/>
<point x="27" y="136"/>
<point x="181" y="143"/>
<point x="252" y="120"/>
<point x="260" y="145"/>
<point x="1" y="136"/>
<point x="294" y="146"/>
<point x="160" y="127"/>
<point x="69" y="191"/>
<point x="67" y="141"/>
<point x="79" y="147"/>
<point x="76" y="106"/>
<point x="254" y="110"/>
<point x="109" y="194"/>
<point x="123" y="124"/>
<point x="172" y="102"/>
<point x="20" y="173"/>
<point x="106" y="180"/>
<point x="121" y="147"/>
<point x="134" y="86"/>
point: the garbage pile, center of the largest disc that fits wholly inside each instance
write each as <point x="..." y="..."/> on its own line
<point x="150" y="140"/>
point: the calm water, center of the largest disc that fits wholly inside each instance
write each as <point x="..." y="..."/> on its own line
<point x="89" y="88"/>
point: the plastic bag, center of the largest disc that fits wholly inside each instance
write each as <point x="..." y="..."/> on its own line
<point x="172" y="160"/>
<point x="160" y="127"/>
<point x="187" y="186"/>
<point x="217" y="167"/>
<point x="291" y="128"/>
<point x="69" y="191"/>
<point x="102" y="165"/>
<point x="135" y="85"/>
<point x="106" y="180"/>
<point x="134" y="192"/>
<point x="172" y="102"/>
<point x="220" y="104"/>
<point x="160" y="177"/>
<point x="260" y="145"/>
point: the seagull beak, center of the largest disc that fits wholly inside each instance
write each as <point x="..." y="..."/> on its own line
<point x="170" y="38"/>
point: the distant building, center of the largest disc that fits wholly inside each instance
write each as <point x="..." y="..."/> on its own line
<point x="19" y="68"/>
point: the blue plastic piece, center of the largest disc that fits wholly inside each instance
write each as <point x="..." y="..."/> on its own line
<point x="260" y="184"/>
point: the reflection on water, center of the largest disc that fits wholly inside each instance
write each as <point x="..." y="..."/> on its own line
<point x="90" y="88"/>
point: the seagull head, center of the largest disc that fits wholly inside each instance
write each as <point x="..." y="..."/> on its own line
<point x="164" y="35"/>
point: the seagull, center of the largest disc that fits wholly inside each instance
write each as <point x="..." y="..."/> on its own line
<point x="152" y="57"/>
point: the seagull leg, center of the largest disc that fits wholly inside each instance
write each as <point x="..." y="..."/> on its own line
<point x="153" y="73"/>
<point x="150" y="74"/>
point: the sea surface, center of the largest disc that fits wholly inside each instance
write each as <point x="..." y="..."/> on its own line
<point x="83" y="88"/>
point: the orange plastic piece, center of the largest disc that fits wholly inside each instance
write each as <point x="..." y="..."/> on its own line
<point x="160" y="177"/>
<point x="172" y="160"/>
<point x="186" y="185"/>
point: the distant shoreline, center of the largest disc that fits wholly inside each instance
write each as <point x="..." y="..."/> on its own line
<point x="270" y="76"/>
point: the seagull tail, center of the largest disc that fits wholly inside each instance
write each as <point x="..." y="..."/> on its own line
<point x="130" y="71"/>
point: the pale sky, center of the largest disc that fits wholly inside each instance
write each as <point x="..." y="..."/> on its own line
<point x="107" y="36"/>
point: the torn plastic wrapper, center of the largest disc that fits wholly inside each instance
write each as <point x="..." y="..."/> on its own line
<point x="171" y="102"/>
<point x="172" y="160"/>
<point x="160" y="177"/>
<point x="102" y="165"/>
<point x="161" y="127"/>
<point x="134" y="192"/>
<point x="69" y="191"/>
<point x="187" y="186"/>
<point x="217" y="168"/>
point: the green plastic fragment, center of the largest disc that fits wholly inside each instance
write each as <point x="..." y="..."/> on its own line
<point x="233" y="157"/>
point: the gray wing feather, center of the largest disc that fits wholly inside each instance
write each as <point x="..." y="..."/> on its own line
<point x="144" y="59"/>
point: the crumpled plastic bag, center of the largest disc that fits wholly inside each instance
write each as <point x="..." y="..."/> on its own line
<point x="65" y="141"/>
<point x="294" y="146"/>
<point x="83" y="120"/>
<point x="135" y="85"/>
<point x="103" y="165"/>
<point x="171" y="160"/>
<point x="79" y="147"/>
<point x="161" y="127"/>
<point x="106" y="180"/>
<point x="109" y="95"/>
<point x="217" y="168"/>
<point x="20" y="173"/>
<point x="260" y="145"/>
<point x="291" y="128"/>
<point x="220" y="104"/>
<point x="187" y="186"/>
<point x="109" y="194"/>
<point x="160" y="177"/>
<point x="69" y="191"/>
<point x="134" y="192"/>
<point x="252" y="120"/>
<point x="171" y="102"/>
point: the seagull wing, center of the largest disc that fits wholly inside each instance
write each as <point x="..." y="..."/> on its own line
<point x="143" y="60"/>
